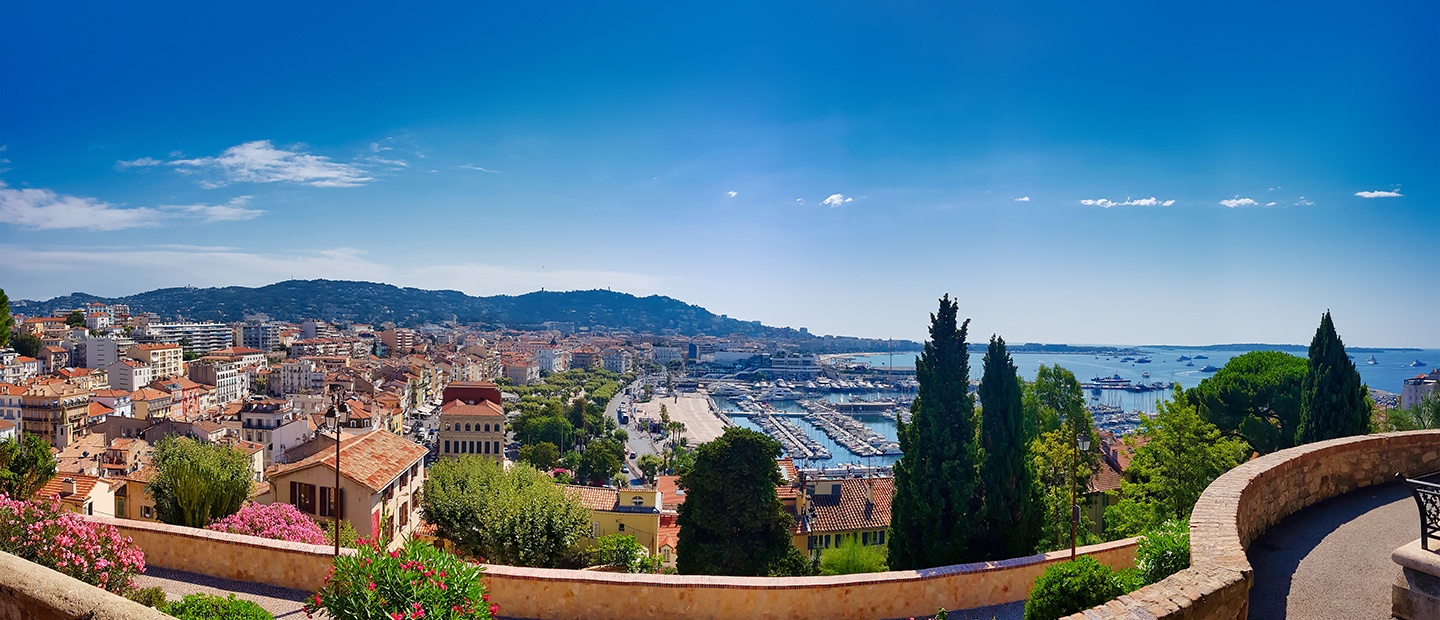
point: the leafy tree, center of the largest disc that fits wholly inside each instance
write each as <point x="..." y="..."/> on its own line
<point x="1255" y="397"/>
<point x="26" y="464"/>
<point x="601" y="461"/>
<point x="1054" y="396"/>
<point x="1332" y="400"/>
<point x="623" y="551"/>
<point x="935" y="499"/>
<point x="27" y="344"/>
<point x="732" y="522"/>
<point x="1182" y="455"/>
<point x="75" y="319"/>
<point x="1011" y="511"/>
<point x="1060" y="470"/>
<point x="851" y="557"/>
<point x="512" y="516"/>
<point x="196" y="483"/>
<point x="650" y="466"/>
<point x="796" y="564"/>
<point x="544" y="455"/>
<point x="6" y="321"/>
<point x="1424" y="414"/>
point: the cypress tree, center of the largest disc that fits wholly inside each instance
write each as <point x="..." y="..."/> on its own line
<point x="932" y="512"/>
<point x="1332" y="400"/>
<point x="6" y="321"/>
<point x="1010" y="506"/>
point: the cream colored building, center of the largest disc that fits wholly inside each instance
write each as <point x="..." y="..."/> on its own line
<point x="166" y="358"/>
<point x="381" y="475"/>
<point x="633" y="512"/>
<point x="472" y="427"/>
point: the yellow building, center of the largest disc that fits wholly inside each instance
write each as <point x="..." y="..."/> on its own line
<point x="149" y="403"/>
<point x="166" y="358"/>
<point x="381" y="477"/>
<point x="830" y="511"/>
<point x="472" y="427"/>
<point x="634" y="512"/>
<point x="54" y="411"/>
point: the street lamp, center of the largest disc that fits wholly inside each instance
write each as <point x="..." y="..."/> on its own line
<point x="332" y="416"/>
<point x="1082" y="442"/>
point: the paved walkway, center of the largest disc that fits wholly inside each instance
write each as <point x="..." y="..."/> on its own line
<point x="1332" y="560"/>
<point x="283" y="603"/>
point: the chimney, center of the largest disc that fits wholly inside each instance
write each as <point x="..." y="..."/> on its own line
<point x="67" y="486"/>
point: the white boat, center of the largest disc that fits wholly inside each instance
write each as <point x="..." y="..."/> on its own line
<point x="1371" y="360"/>
<point x="779" y="393"/>
<point x="730" y="389"/>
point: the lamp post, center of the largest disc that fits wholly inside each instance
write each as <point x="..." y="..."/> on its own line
<point x="1082" y="442"/>
<point x="333" y="416"/>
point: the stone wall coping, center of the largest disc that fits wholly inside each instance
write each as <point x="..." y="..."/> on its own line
<point x="30" y="591"/>
<point x="243" y="540"/>
<point x="1411" y="556"/>
<point x="790" y="583"/>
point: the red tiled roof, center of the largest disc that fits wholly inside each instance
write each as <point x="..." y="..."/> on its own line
<point x="97" y="409"/>
<point x="164" y="346"/>
<point x="55" y="488"/>
<point x="1107" y="479"/>
<point x="670" y="487"/>
<point x="850" y="511"/>
<point x="372" y="459"/>
<point x="594" y="498"/>
<point x="460" y="407"/>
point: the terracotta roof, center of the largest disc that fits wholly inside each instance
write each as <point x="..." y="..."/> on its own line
<point x="6" y="425"/>
<point x="9" y="389"/>
<point x="109" y="393"/>
<point x="147" y="394"/>
<point x="594" y="498"/>
<point x="787" y="468"/>
<point x="50" y="349"/>
<point x="460" y="407"/>
<point x="55" y="488"/>
<point x="97" y="409"/>
<point x="849" y="511"/>
<point x="25" y="360"/>
<point x="249" y="447"/>
<point x="164" y="346"/>
<point x="1107" y="479"/>
<point x="208" y="426"/>
<point x="670" y="487"/>
<point x="669" y="535"/>
<point x="372" y="459"/>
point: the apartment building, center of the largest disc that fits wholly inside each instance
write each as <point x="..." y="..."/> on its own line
<point x="166" y="358"/>
<point x="472" y="427"/>
<point x="224" y="377"/>
<point x="55" y="411"/>
<point x="102" y="352"/>
<point x="197" y="338"/>
<point x="129" y="374"/>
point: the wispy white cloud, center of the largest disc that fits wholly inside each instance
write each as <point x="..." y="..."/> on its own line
<point x="471" y="167"/>
<point x="261" y="162"/>
<point x="233" y="211"/>
<point x="1379" y="194"/>
<point x="143" y="162"/>
<point x="1303" y="202"/>
<point x="800" y="201"/>
<point x="1023" y="199"/>
<point x="836" y="200"/>
<point x="731" y="194"/>
<point x="1238" y="202"/>
<point x="1142" y="202"/>
<point x="43" y="209"/>
<point x="1270" y="204"/>
<point x="388" y="162"/>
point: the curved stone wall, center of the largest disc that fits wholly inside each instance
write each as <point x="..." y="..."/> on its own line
<point x="1241" y="504"/>
<point x="29" y="591"/>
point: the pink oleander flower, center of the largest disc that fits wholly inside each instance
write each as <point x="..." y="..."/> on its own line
<point x="274" y="521"/>
<point x="42" y="532"/>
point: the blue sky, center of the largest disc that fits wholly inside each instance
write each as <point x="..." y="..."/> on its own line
<point x="1084" y="173"/>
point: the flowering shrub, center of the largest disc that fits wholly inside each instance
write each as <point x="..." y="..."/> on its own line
<point x="415" y="581"/>
<point x="44" y="533"/>
<point x="276" y="521"/>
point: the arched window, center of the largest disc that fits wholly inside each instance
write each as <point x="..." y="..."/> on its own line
<point x="447" y="426"/>
<point x="467" y="428"/>
<point x="487" y="428"/>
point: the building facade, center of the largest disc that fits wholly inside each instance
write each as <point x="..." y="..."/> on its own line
<point x="472" y="427"/>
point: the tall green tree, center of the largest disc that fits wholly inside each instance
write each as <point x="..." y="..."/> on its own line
<point x="1054" y="396"/>
<point x="601" y="460"/>
<point x="1061" y="470"/>
<point x="544" y="455"/>
<point x="1180" y="455"/>
<point x="932" y="513"/>
<point x="27" y="344"/>
<point x="76" y="319"/>
<point x="6" y="321"/>
<point x="1255" y="397"/>
<point x="1332" y="399"/>
<point x="26" y="464"/>
<point x="196" y="483"/>
<point x="1010" y="517"/>
<point x="732" y="522"/>
<point x="514" y="515"/>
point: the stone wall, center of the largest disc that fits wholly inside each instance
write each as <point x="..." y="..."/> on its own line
<point x="1241" y="504"/>
<point x="548" y="594"/>
<point x="230" y="556"/>
<point x="29" y="591"/>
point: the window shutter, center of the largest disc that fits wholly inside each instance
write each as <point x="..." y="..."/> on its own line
<point x="294" y="493"/>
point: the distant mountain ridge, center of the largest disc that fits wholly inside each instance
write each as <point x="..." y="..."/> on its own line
<point x="369" y="302"/>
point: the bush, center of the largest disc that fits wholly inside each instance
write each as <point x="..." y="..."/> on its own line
<point x="796" y="563"/>
<point x="415" y="581"/>
<point x="149" y="597"/>
<point x="1069" y="587"/>
<point x="1164" y="551"/>
<point x="622" y="551"/>
<point x="42" y="532"/>
<point x="348" y="535"/>
<point x="274" y="521"/>
<point x="207" y="607"/>
<point x="851" y="557"/>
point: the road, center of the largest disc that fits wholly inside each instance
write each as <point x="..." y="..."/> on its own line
<point x="640" y="442"/>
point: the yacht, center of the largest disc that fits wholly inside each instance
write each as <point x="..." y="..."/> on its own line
<point x="1145" y="374"/>
<point x="1371" y="360"/>
<point x="1417" y="364"/>
<point x="1201" y="357"/>
<point x="1182" y="358"/>
<point x="730" y="389"/>
<point x="779" y="393"/>
<point x="1143" y="360"/>
<point x="1209" y="368"/>
<point x="1189" y="363"/>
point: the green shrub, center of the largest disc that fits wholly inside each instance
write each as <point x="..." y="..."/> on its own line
<point x="851" y="557"/>
<point x="796" y="563"/>
<point x="622" y="551"/>
<point x="1163" y="551"/>
<point x="149" y="597"/>
<point x="206" y="607"/>
<point x="1069" y="587"/>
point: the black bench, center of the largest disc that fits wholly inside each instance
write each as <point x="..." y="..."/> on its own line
<point x="1427" y="497"/>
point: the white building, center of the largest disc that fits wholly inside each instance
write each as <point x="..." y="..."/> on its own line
<point x="119" y="400"/>
<point x="616" y="360"/>
<point x="97" y="321"/>
<point x="665" y="355"/>
<point x="301" y="376"/>
<point x="224" y="376"/>
<point x="1417" y="388"/>
<point x="258" y="334"/>
<point x="197" y="338"/>
<point x="551" y="359"/>
<point x="129" y="374"/>
<point x="102" y="352"/>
